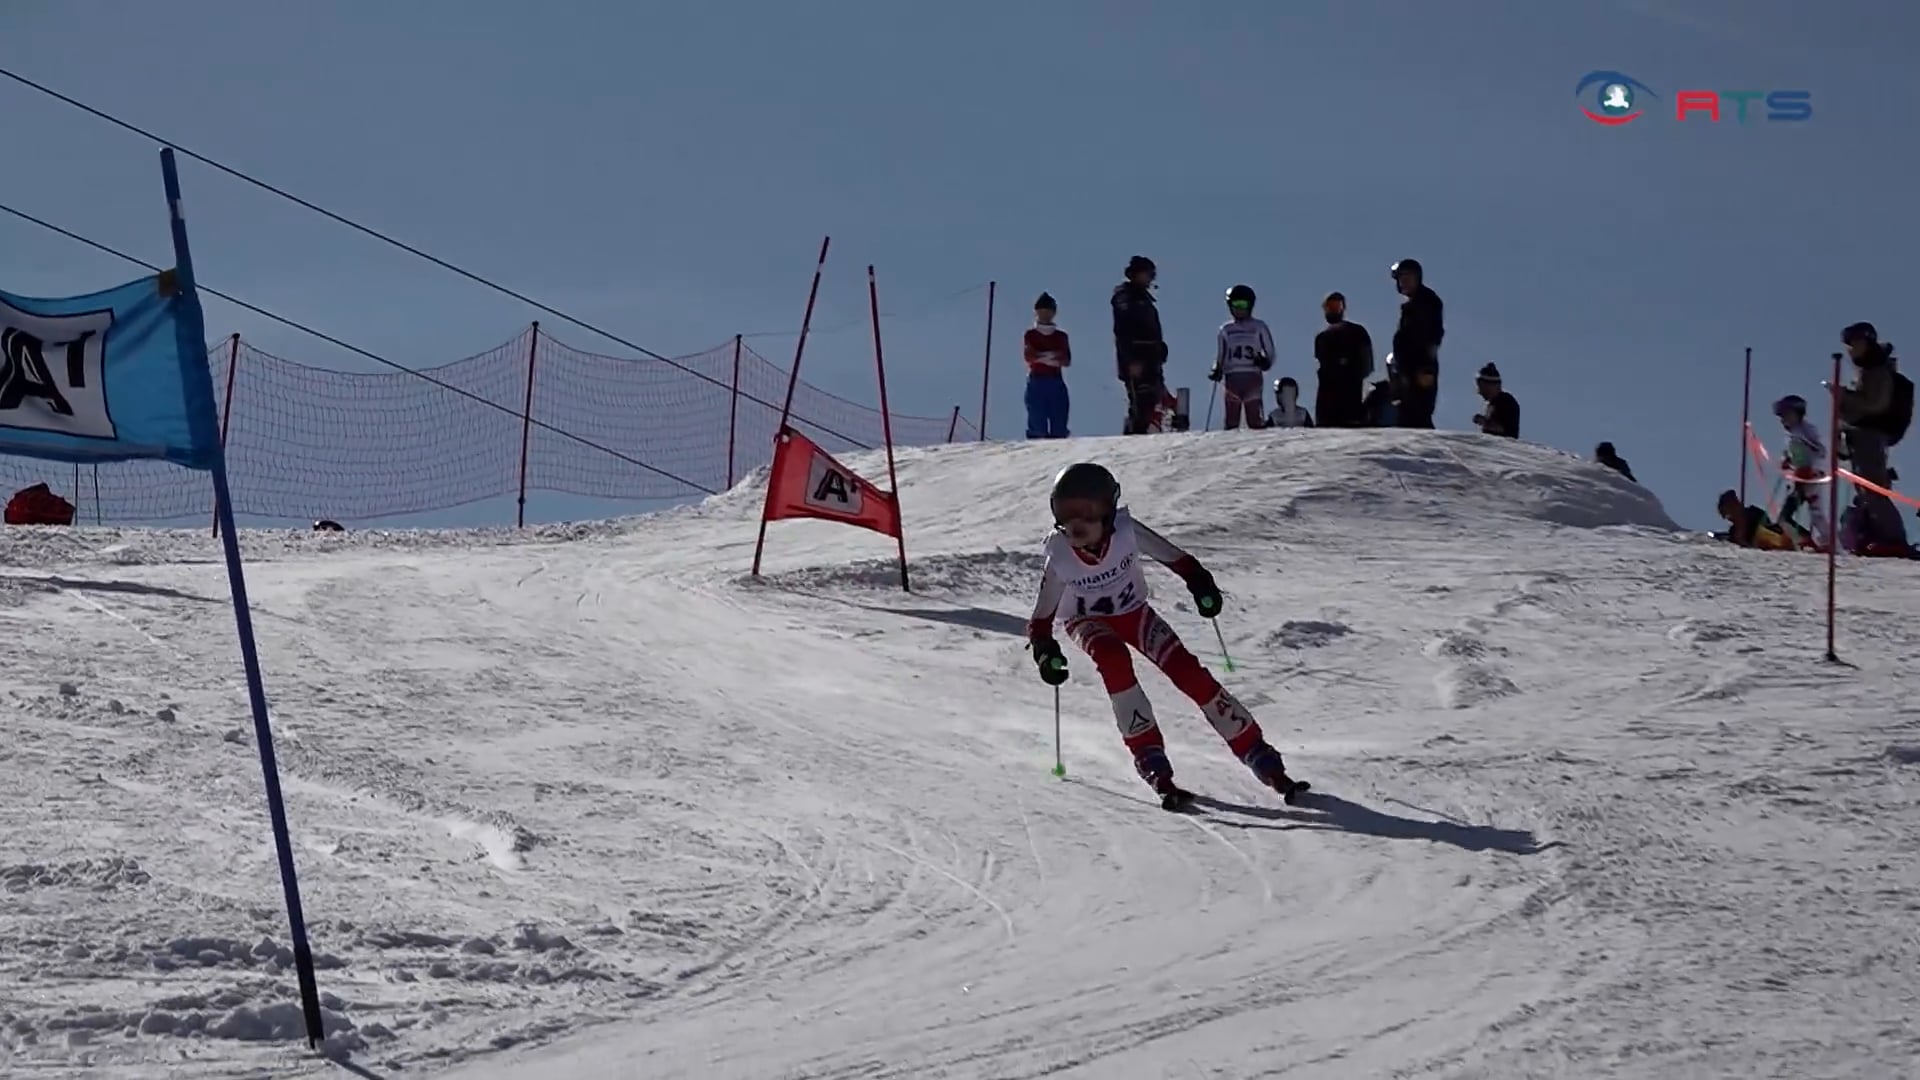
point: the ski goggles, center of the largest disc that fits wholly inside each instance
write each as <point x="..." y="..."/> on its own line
<point x="1242" y="306"/>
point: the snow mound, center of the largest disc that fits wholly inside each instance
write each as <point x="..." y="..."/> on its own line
<point x="583" y="799"/>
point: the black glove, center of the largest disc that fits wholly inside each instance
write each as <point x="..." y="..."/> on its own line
<point x="1215" y="374"/>
<point x="1206" y="595"/>
<point x="1263" y="362"/>
<point x="1052" y="662"/>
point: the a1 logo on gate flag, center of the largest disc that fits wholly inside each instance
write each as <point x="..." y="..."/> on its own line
<point x="806" y="482"/>
<point x="52" y="371"/>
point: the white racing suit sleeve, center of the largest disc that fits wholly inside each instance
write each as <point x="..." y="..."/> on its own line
<point x="1052" y="588"/>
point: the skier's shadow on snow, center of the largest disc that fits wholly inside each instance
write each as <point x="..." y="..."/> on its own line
<point x="971" y="617"/>
<point x="135" y="588"/>
<point x="1316" y="810"/>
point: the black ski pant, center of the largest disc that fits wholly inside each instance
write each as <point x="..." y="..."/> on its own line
<point x="1145" y="389"/>
<point x="1418" y="400"/>
<point x="1337" y="401"/>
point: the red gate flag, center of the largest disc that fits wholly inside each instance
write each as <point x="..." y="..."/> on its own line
<point x="806" y="482"/>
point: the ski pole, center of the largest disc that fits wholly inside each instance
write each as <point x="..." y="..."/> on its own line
<point x="1211" y="394"/>
<point x="1222" y="639"/>
<point x="1059" y="765"/>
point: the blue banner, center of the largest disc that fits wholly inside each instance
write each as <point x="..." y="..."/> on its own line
<point x="108" y="377"/>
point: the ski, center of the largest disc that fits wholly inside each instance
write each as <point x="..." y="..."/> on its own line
<point x="1180" y="799"/>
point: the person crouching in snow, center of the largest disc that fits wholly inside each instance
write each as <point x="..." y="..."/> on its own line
<point x="1047" y="354"/>
<point x="1286" y="405"/>
<point x="1801" y="461"/>
<point x="1093" y="568"/>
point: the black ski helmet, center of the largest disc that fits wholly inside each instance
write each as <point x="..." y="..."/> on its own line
<point x="1241" y="293"/>
<point x="1085" y="480"/>
<point x="1408" y="266"/>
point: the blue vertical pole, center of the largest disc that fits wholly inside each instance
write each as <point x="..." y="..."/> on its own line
<point x="192" y="331"/>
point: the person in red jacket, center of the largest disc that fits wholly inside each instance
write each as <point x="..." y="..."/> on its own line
<point x="1047" y="354"/>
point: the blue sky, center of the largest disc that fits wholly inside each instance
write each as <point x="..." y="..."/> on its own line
<point x="668" y="170"/>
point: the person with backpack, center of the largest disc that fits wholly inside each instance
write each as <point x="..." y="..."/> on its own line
<point x="1874" y="414"/>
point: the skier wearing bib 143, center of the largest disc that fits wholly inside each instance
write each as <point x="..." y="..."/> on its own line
<point x="1093" y="579"/>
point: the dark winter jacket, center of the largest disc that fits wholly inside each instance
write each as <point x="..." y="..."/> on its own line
<point x="1137" y="338"/>
<point x="1381" y="407"/>
<point x="1416" y="341"/>
<point x="1618" y="464"/>
<point x="1501" y="416"/>
<point x="1344" y="351"/>
<point x="1872" y="391"/>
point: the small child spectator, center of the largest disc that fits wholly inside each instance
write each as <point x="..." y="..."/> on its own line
<point x="1801" y="460"/>
<point x="1286" y="409"/>
<point x="1048" y="354"/>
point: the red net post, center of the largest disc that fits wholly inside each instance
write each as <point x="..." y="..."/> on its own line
<point x="1746" y="422"/>
<point x="886" y="422"/>
<point x="986" y="374"/>
<point x="793" y="383"/>
<point x="1833" y="500"/>
<point x="733" y="408"/>
<point x="526" y="425"/>
<point x="226" y="411"/>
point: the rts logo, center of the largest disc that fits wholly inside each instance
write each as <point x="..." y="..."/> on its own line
<point x="1613" y="99"/>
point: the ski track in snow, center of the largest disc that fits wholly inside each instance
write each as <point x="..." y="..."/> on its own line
<point x="589" y="801"/>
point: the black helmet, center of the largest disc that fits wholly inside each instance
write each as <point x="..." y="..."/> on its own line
<point x="1085" y="480"/>
<point x="1408" y="266"/>
<point x="1140" y="264"/>
<point x="1240" y="293"/>
<point x="1860" y="331"/>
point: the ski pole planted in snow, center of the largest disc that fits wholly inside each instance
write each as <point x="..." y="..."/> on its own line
<point x="1059" y="764"/>
<point x="1222" y="639"/>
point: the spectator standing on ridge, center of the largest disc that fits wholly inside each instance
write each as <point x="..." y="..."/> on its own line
<point x="1606" y="455"/>
<point x="1047" y="354"/>
<point x="1138" y="344"/>
<point x="1416" y="343"/>
<point x="1874" y="414"/>
<point x="1502" y="414"/>
<point x="1242" y="356"/>
<point x="1286" y="405"/>
<point x="1344" y="351"/>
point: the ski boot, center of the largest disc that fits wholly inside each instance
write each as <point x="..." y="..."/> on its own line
<point x="1155" y="769"/>
<point x="1271" y="769"/>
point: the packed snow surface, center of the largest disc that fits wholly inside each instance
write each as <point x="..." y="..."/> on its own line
<point x="589" y="801"/>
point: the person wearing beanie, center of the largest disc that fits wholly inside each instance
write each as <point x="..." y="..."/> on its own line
<point x="1344" y="351"/>
<point x="1606" y="455"/>
<point x="1139" y="346"/>
<point x="1047" y="354"/>
<point x="1502" y="414"/>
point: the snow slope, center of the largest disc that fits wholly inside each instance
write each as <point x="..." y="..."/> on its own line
<point x="589" y="802"/>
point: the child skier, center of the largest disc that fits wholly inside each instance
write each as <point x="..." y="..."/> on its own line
<point x="1047" y="354"/>
<point x="1242" y="355"/>
<point x="1093" y="564"/>
<point x="1801" y="462"/>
